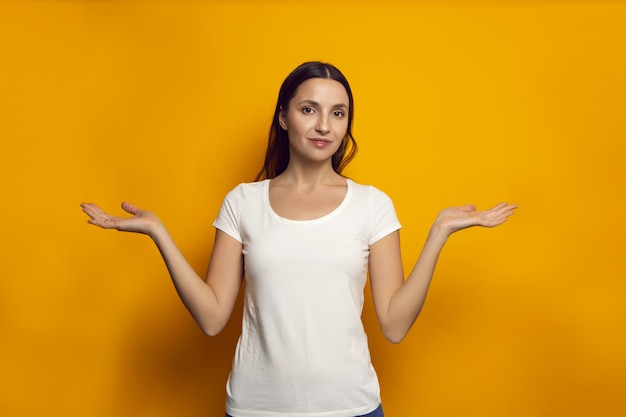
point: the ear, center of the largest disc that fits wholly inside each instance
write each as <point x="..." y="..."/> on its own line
<point x="281" y="119"/>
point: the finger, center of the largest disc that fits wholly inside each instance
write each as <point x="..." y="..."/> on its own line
<point x="493" y="221"/>
<point x="502" y="217"/>
<point x="92" y="210"/>
<point x="498" y="206"/>
<point x="98" y="217"/>
<point x="508" y="213"/>
<point x="106" y="223"/>
<point x="95" y="212"/>
<point x="507" y="210"/>
<point x="129" y="208"/>
<point x="507" y="206"/>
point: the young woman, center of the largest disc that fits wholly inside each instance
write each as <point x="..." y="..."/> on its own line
<point x="303" y="238"/>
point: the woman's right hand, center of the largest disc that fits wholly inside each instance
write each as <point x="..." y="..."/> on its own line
<point x="142" y="221"/>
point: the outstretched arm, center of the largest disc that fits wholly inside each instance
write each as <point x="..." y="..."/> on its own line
<point x="209" y="301"/>
<point x="399" y="302"/>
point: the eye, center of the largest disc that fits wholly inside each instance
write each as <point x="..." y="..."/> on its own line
<point x="307" y="110"/>
<point x="338" y="113"/>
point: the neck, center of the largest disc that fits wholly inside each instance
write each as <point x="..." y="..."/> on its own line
<point x="310" y="175"/>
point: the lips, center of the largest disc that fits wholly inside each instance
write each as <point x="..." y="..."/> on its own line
<point x="320" y="141"/>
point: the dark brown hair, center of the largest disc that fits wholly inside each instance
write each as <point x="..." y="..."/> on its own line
<point x="277" y="153"/>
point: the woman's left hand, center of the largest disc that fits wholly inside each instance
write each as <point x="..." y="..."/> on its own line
<point x="454" y="219"/>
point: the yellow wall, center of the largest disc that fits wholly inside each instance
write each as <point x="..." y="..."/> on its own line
<point x="167" y="104"/>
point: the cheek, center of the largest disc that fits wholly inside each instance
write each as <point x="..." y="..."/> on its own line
<point x="342" y="128"/>
<point x="300" y="125"/>
<point x="339" y="143"/>
<point x="296" y="132"/>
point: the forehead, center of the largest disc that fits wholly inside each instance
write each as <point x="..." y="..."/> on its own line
<point x="322" y="90"/>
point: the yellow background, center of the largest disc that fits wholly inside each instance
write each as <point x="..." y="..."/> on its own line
<point x="167" y="104"/>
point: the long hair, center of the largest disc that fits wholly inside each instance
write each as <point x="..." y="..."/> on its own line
<point x="277" y="153"/>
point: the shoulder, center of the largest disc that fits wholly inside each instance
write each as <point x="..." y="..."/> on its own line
<point x="244" y="196"/>
<point x="247" y="189"/>
<point x="382" y="216"/>
<point x="240" y="201"/>
<point x="370" y="192"/>
<point x="250" y="186"/>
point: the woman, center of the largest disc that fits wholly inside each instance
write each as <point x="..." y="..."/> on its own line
<point x="303" y="239"/>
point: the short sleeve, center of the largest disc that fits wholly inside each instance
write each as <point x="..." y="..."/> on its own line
<point x="384" y="218"/>
<point x="228" y="218"/>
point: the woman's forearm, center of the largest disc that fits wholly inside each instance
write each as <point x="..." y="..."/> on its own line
<point x="210" y="302"/>
<point x="196" y="294"/>
<point x="408" y="296"/>
<point x="406" y="304"/>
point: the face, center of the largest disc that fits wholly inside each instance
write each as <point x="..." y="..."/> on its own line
<point x="316" y="120"/>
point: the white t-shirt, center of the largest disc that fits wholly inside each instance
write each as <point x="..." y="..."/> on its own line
<point x="303" y="350"/>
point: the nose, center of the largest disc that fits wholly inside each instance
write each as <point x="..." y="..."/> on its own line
<point x="322" y="126"/>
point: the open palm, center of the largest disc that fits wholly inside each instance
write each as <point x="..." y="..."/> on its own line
<point x="456" y="218"/>
<point x="142" y="221"/>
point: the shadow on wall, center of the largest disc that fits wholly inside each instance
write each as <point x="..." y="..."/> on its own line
<point x="169" y="367"/>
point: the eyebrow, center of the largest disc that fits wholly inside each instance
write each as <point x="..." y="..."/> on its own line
<point x="315" y="103"/>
